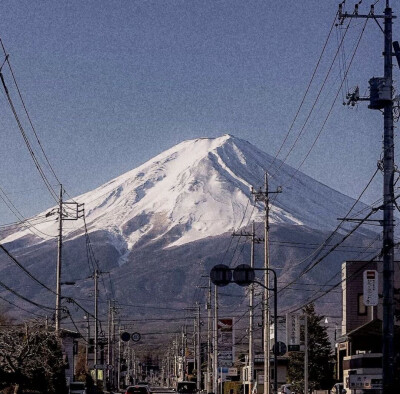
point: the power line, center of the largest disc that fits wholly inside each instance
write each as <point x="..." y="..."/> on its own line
<point x="25" y="299"/>
<point x="13" y="259"/>
<point x="307" y="90"/>
<point x="330" y="109"/>
<point x="26" y="111"/>
<point x="27" y="143"/>
<point x="22" y="309"/>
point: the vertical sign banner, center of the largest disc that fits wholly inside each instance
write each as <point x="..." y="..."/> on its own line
<point x="293" y="329"/>
<point x="370" y="287"/>
<point x="226" y="342"/>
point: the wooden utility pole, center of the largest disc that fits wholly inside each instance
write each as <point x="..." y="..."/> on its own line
<point x="254" y="240"/>
<point x="198" y="354"/>
<point x="209" y="327"/>
<point x="251" y="313"/>
<point x="215" y="342"/>
<point x="59" y="260"/>
<point x="96" y="323"/>
<point x="264" y="197"/>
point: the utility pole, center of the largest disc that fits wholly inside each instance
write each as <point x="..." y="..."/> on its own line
<point x="207" y="381"/>
<point x="110" y="339"/>
<point x="209" y="320"/>
<point x="251" y="323"/>
<point x="254" y="240"/>
<point x="264" y="197"/>
<point x="195" y="342"/>
<point x="183" y="350"/>
<point x="119" y="359"/>
<point x="96" y="327"/>
<point x="78" y="211"/>
<point x="305" y="354"/>
<point x="87" y="338"/>
<point x="59" y="259"/>
<point x="381" y="98"/>
<point x="198" y="361"/>
<point x="215" y="341"/>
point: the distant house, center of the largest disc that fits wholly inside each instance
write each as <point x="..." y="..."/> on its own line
<point x="69" y="350"/>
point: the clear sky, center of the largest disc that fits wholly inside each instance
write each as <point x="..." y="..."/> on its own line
<point x="110" y="84"/>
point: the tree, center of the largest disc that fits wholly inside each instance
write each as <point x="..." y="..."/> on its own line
<point x="320" y="356"/>
<point x="31" y="358"/>
<point x="81" y="366"/>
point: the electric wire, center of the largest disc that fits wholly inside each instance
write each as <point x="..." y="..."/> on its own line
<point x="319" y="250"/>
<point x="293" y="175"/>
<point x="22" y="309"/>
<point x="317" y="297"/>
<point x="26" y="111"/>
<point x="313" y="264"/>
<point x="326" y="284"/>
<point x="15" y="261"/>
<point x="306" y="92"/>
<point x="27" y="143"/>
<point x="24" y="298"/>
<point x="75" y="326"/>
<point x="10" y="205"/>
<point x="301" y="132"/>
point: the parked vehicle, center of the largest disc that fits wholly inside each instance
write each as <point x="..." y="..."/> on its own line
<point x="138" y="389"/>
<point x="285" y="389"/>
<point x="77" y="388"/>
<point x="338" y="389"/>
<point x="186" y="387"/>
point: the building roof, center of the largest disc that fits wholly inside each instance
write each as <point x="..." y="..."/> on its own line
<point x="371" y="329"/>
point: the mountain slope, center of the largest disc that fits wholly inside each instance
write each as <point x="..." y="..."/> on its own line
<point x="197" y="189"/>
<point x="158" y="229"/>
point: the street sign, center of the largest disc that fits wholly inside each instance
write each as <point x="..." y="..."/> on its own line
<point x="135" y="337"/>
<point x="221" y="275"/>
<point x="293" y="348"/>
<point x="370" y="287"/>
<point x="232" y="372"/>
<point x="280" y="348"/>
<point x="292" y="329"/>
<point x="366" y="382"/>
<point x="98" y="366"/>
<point x="243" y="275"/>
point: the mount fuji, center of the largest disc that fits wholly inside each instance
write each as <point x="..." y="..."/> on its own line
<point x="157" y="228"/>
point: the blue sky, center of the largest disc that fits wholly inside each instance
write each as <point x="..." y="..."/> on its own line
<point x="110" y="84"/>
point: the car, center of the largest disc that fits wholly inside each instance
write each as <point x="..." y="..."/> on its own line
<point x="338" y="389"/>
<point x="138" y="389"/>
<point x="186" y="387"/>
<point x="285" y="389"/>
<point x="77" y="388"/>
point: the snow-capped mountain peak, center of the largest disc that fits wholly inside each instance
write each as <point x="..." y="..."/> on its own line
<point x="196" y="189"/>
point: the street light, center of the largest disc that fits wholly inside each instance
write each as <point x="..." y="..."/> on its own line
<point x="244" y="275"/>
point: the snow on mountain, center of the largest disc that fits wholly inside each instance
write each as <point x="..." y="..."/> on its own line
<point x="200" y="188"/>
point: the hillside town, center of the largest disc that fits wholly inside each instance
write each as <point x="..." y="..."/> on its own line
<point x="208" y="264"/>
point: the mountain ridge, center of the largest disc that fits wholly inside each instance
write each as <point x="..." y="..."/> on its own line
<point x="205" y="185"/>
<point x="159" y="228"/>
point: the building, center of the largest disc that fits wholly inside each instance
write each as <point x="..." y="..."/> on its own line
<point x="359" y="348"/>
